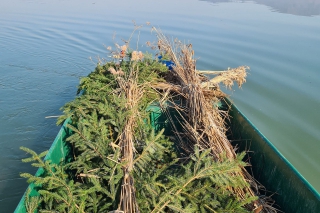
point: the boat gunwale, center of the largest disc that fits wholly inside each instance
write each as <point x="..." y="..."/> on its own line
<point x="39" y="171"/>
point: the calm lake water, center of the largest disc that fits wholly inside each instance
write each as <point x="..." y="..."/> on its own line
<point x="46" y="46"/>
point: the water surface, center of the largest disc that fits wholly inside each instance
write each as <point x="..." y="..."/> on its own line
<point x="45" y="47"/>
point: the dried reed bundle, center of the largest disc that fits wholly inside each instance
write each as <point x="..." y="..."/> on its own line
<point x="205" y="125"/>
<point x="238" y="75"/>
<point x="208" y="93"/>
<point x="133" y="94"/>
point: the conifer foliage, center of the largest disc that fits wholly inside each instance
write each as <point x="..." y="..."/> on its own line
<point x="119" y="162"/>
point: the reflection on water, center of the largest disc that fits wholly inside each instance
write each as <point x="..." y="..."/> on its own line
<point x="295" y="7"/>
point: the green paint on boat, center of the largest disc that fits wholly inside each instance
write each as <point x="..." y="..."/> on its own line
<point x="292" y="191"/>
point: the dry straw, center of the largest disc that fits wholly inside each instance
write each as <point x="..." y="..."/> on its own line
<point x="204" y="124"/>
<point x="133" y="94"/>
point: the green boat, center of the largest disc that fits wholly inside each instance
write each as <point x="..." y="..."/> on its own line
<point x="292" y="193"/>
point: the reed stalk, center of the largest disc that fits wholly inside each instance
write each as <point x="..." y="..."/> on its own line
<point x="133" y="94"/>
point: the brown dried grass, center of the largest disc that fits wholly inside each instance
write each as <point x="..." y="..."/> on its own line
<point x="229" y="76"/>
<point x="133" y="94"/>
<point x="203" y="124"/>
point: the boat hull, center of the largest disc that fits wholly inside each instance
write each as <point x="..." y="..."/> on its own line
<point x="292" y="192"/>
